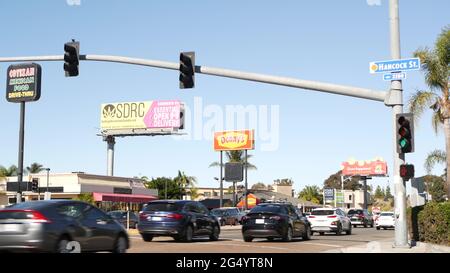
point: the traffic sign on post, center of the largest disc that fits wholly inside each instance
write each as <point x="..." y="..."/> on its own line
<point x="394" y="65"/>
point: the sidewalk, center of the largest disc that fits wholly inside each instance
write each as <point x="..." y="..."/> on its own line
<point x="387" y="247"/>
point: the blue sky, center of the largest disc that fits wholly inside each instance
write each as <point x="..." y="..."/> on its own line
<point x="328" y="41"/>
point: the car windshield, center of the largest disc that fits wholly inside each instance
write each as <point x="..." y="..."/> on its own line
<point x="322" y="212"/>
<point x="115" y="214"/>
<point x="163" y="207"/>
<point x="387" y="214"/>
<point x="266" y="208"/>
<point x="355" y="211"/>
<point x="218" y="212"/>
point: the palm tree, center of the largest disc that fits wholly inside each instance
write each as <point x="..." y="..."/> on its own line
<point x="185" y="181"/>
<point x="35" y="168"/>
<point x="236" y="157"/>
<point x="311" y="193"/>
<point x="11" y="171"/>
<point x="435" y="65"/>
<point x="434" y="157"/>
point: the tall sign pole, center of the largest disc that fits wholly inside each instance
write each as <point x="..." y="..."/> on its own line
<point x="246" y="184"/>
<point x="23" y="83"/>
<point x="221" y="178"/>
<point x="396" y="94"/>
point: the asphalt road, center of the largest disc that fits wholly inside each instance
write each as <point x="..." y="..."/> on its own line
<point x="231" y="242"/>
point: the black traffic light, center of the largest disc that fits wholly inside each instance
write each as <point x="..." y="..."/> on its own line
<point x="405" y="133"/>
<point x="71" y="58"/>
<point x="406" y="171"/>
<point x="35" y="184"/>
<point x="187" y="69"/>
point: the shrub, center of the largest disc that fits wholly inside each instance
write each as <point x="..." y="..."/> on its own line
<point x="434" y="223"/>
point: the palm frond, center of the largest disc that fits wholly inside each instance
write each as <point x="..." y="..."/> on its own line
<point x="436" y="75"/>
<point x="443" y="46"/>
<point x="433" y="158"/>
<point x="437" y="121"/>
<point x="420" y="101"/>
<point x="214" y="164"/>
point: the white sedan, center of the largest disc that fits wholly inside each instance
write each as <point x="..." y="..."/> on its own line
<point x="385" y="220"/>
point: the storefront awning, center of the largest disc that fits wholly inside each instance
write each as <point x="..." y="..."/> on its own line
<point x="128" y="198"/>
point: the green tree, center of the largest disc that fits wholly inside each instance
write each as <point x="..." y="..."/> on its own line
<point x="388" y="194"/>
<point x="11" y="171"/>
<point x="312" y="194"/>
<point x="259" y="186"/>
<point x="435" y="65"/>
<point x="379" y="192"/>
<point x="433" y="158"/>
<point x="35" y="168"/>
<point x="86" y="197"/>
<point x="334" y="181"/>
<point x="236" y="156"/>
<point x="160" y="183"/>
<point x="435" y="186"/>
<point x="184" y="181"/>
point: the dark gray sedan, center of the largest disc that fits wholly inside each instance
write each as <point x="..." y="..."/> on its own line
<point x="60" y="226"/>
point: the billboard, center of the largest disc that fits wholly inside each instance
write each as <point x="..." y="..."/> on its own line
<point x="234" y="140"/>
<point x="377" y="167"/>
<point x="328" y="194"/>
<point x="23" y="82"/>
<point x="141" y="115"/>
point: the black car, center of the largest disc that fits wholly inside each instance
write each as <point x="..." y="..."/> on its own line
<point x="360" y="217"/>
<point x="179" y="219"/>
<point x="275" y="220"/>
<point x="60" y="226"/>
<point x="122" y="217"/>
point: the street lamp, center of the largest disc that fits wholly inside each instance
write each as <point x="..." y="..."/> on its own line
<point x="48" y="173"/>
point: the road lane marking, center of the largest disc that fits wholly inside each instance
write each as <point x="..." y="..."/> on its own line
<point x="320" y="244"/>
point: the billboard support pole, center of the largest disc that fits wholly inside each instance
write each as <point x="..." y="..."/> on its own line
<point x="246" y="184"/>
<point x="220" y="179"/>
<point x="110" y="140"/>
<point x="21" y="144"/>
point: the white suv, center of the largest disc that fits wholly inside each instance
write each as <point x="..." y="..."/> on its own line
<point x="385" y="220"/>
<point x="329" y="220"/>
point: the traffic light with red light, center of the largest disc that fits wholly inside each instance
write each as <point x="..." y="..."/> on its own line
<point x="405" y="133"/>
<point x="187" y="69"/>
<point x="407" y="171"/>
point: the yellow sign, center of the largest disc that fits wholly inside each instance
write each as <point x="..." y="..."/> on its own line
<point x="234" y="140"/>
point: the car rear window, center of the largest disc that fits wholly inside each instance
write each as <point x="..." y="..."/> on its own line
<point x="387" y="214"/>
<point x="267" y="208"/>
<point x="163" y="207"/>
<point x="322" y="212"/>
<point x="218" y="212"/>
<point x="352" y="211"/>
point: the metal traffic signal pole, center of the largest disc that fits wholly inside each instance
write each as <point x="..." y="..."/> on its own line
<point x="396" y="93"/>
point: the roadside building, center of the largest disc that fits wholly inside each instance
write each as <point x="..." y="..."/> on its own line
<point x="107" y="192"/>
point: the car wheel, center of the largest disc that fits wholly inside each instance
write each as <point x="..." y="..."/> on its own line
<point x="354" y="226"/>
<point x="288" y="236"/>
<point x="188" y="233"/>
<point x="349" y="230"/>
<point x="248" y="239"/>
<point x="215" y="234"/>
<point x="308" y="233"/>
<point x="222" y="222"/>
<point x="121" y="245"/>
<point x="384" y="228"/>
<point x="321" y="233"/>
<point x="378" y="228"/>
<point x="371" y="225"/>
<point x="365" y="224"/>
<point x="147" y="238"/>
<point x="61" y="245"/>
<point x="339" y="229"/>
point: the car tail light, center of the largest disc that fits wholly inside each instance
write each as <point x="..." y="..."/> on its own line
<point x="175" y="216"/>
<point x="334" y="223"/>
<point x="33" y="215"/>
<point x="142" y="216"/>
<point x="361" y="216"/>
<point x="276" y="217"/>
<point x="332" y="216"/>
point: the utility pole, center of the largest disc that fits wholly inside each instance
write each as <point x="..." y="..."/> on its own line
<point x="396" y="93"/>
<point x="110" y="140"/>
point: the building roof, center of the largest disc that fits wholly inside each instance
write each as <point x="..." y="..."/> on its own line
<point x="276" y="196"/>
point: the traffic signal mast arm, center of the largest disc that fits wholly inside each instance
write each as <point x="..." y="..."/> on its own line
<point x="351" y="91"/>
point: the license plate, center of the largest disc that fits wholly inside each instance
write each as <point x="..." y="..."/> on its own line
<point x="10" y="228"/>
<point x="156" y="218"/>
<point x="259" y="221"/>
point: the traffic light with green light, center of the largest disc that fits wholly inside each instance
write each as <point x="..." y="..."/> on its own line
<point x="405" y="133"/>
